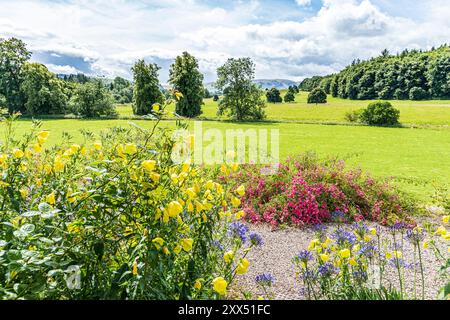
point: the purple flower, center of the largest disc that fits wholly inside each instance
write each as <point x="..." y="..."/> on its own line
<point x="415" y="236"/>
<point x="305" y="256"/>
<point x="265" y="279"/>
<point x="399" y="262"/>
<point x="217" y="244"/>
<point x="327" y="269"/>
<point x="308" y="275"/>
<point x="256" y="239"/>
<point x="338" y="216"/>
<point x="238" y="229"/>
<point x="343" y="237"/>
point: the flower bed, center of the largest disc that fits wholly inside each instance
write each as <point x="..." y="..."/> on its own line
<point x="305" y="191"/>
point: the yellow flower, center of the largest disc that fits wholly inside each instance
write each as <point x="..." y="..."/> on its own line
<point x="441" y="231"/>
<point x="242" y="266"/>
<point x="228" y="256"/>
<point x="130" y="148"/>
<point x="3" y="158"/>
<point x="155" y="176"/>
<point x="178" y="95"/>
<point x="58" y="165"/>
<point x="174" y="209"/>
<point x="97" y="145"/>
<point x="352" y="262"/>
<point x="388" y="255"/>
<point x="373" y="231"/>
<point x="425" y="244"/>
<point x="187" y="244"/>
<point x="240" y="214"/>
<point x="42" y="136"/>
<point x="235" y="167"/>
<point x="75" y="148"/>
<point x="313" y="244"/>
<point x="17" y="153"/>
<point x="397" y="254"/>
<point x="326" y="243"/>
<point x="240" y="190"/>
<point x="191" y="193"/>
<point x="366" y="238"/>
<point x="50" y="199"/>
<point x="156" y="107"/>
<point x="197" y="284"/>
<point x="220" y="285"/>
<point x="446" y="236"/>
<point x="345" y="253"/>
<point x="177" y="249"/>
<point x="37" y="148"/>
<point x="445" y="219"/>
<point x="149" y="165"/>
<point x="235" y="202"/>
<point x="166" y="251"/>
<point x="23" y="192"/>
<point x="135" y="270"/>
<point x="324" y="257"/>
<point x="159" y="242"/>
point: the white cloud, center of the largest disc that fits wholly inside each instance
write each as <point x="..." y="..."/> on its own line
<point x="303" y="2"/>
<point x="62" y="69"/>
<point x="111" y="35"/>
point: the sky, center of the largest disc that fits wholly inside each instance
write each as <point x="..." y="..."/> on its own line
<point x="287" y="39"/>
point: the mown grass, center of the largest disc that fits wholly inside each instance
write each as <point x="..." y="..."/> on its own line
<point x="417" y="159"/>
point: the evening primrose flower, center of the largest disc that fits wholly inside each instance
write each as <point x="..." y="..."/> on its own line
<point x="37" y="148"/>
<point x="187" y="244"/>
<point x="130" y="148"/>
<point x="235" y="202"/>
<point x="97" y="145"/>
<point x="220" y="285"/>
<point x="149" y="165"/>
<point x="177" y="249"/>
<point x="441" y="231"/>
<point x="352" y="262"/>
<point x="240" y="214"/>
<point x="324" y="257"/>
<point x="228" y="256"/>
<point x="445" y="219"/>
<point x="174" y="208"/>
<point x="313" y="244"/>
<point x="198" y="284"/>
<point x="23" y="192"/>
<point x="242" y="267"/>
<point x="240" y="190"/>
<point x="159" y="242"/>
<point x="345" y="253"/>
<point x="17" y="153"/>
<point x="373" y="231"/>
<point x="42" y="136"/>
<point x="426" y="244"/>
<point x="50" y="199"/>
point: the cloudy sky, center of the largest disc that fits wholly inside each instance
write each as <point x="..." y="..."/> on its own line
<point x="289" y="39"/>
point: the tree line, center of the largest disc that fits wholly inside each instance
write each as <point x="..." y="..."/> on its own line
<point x="30" y="88"/>
<point x="411" y="74"/>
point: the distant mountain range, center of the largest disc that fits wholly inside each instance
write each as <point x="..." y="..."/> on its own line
<point x="264" y="83"/>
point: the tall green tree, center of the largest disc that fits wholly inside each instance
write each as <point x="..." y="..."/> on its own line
<point x="146" y="87"/>
<point x="186" y="78"/>
<point x="43" y="91"/>
<point x="93" y="100"/>
<point x="242" y="99"/>
<point x="274" y="96"/>
<point x="13" y="55"/>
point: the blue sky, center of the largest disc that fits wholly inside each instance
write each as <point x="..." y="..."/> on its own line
<point x="290" y="39"/>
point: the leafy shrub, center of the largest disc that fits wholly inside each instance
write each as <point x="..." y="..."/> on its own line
<point x="114" y="218"/>
<point x="306" y="191"/>
<point x="92" y="99"/>
<point x="380" y="114"/>
<point x="318" y="95"/>
<point x="353" y="116"/>
<point x="418" y="93"/>
<point x="289" y="96"/>
<point x="273" y="96"/>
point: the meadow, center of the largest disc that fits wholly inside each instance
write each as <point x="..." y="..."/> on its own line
<point x="416" y="156"/>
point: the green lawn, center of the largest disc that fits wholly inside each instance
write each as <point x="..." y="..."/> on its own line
<point x="416" y="158"/>
<point x="420" y="113"/>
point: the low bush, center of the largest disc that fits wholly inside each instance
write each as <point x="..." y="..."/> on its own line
<point x="306" y="191"/>
<point x="353" y="116"/>
<point x="92" y="99"/>
<point x="418" y="93"/>
<point x="380" y="114"/>
<point x="316" y="96"/>
<point x="289" y="96"/>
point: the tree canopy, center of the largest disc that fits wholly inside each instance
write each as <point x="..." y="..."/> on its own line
<point x="146" y="87"/>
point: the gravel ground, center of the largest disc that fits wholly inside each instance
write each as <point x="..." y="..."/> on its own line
<point x="281" y="245"/>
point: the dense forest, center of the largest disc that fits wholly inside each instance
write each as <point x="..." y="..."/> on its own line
<point x="411" y="74"/>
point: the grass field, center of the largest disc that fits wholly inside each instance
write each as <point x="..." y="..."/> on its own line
<point x="416" y="158"/>
<point x="418" y="113"/>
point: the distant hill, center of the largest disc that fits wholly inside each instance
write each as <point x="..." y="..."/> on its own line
<point x="264" y="83"/>
<point x="411" y="74"/>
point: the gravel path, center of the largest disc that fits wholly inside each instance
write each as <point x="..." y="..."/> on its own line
<point x="281" y="245"/>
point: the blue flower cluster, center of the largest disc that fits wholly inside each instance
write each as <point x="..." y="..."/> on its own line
<point x="266" y="279"/>
<point x="305" y="256"/>
<point x="343" y="237"/>
<point x="239" y="230"/>
<point x="256" y="239"/>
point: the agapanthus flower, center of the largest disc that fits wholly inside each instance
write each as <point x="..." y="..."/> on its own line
<point x="238" y="229"/>
<point x="265" y="279"/>
<point x="338" y="216"/>
<point x="305" y="256"/>
<point x="217" y="244"/>
<point x="367" y="250"/>
<point x="399" y="262"/>
<point x="343" y="237"/>
<point x="360" y="276"/>
<point x="415" y="235"/>
<point x="308" y="275"/>
<point x="327" y="269"/>
<point x="256" y="239"/>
